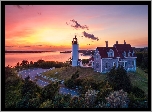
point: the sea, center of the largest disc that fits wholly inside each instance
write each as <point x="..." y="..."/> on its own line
<point x="12" y="59"/>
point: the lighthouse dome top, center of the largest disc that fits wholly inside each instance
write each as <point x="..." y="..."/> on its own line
<point x="75" y="40"/>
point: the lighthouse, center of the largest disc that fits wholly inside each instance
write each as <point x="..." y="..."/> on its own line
<point x="75" y="53"/>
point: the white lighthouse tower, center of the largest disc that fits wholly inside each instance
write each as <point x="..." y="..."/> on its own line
<point x="75" y="53"/>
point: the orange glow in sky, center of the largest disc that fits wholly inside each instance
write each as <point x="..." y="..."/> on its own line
<point x="39" y="27"/>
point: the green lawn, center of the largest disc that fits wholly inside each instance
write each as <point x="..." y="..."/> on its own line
<point x="66" y="73"/>
<point x="140" y="79"/>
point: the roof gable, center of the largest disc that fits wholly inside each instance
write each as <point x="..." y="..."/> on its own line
<point x="124" y="47"/>
<point x="118" y="50"/>
<point x="103" y="51"/>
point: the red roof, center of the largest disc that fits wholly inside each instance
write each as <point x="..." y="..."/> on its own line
<point x="118" y="50"/>
<point x="103" y="51"/>
<point x="124" y="47"/>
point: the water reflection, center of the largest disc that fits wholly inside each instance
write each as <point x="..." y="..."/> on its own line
<point x="12" y="58"/>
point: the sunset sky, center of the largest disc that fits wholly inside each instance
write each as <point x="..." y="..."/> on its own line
<point x="49" y="27"/>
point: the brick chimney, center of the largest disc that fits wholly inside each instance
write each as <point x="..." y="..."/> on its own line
<point x="116" y="42"/>
<point x="106" y="43"/>
<point x="124" y="42"/>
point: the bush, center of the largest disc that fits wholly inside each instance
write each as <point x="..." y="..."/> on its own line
<point x="47" y="104"/>
<point x="117" y="99"/>
<point x="90" y="98"/>
<point x="49" y="91"/>
<point x="118" y="79"/>
<point x="138" y="92"/>
<point x="70" y="83"/>
<point x="137" y="102"/>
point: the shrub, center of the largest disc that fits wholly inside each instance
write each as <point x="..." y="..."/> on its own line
<point x="90" y="98"/>
<point x="117" y="99"/>
<point x="118" y="79"/>
<point x="137" y="102"/>
<point x="138" y="92"/>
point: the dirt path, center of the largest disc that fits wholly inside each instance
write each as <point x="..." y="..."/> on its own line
<point x="47" y="80"/>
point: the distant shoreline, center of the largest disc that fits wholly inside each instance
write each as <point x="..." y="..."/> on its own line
<point x="27" y="51"/>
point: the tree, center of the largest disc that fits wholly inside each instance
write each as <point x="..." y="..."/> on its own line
<point x="104" y="91"/>
<point x="24" y="63"/>
<point x="49" y="91"/>
<point x="31" y="62"/>
<point x="29" y="88"/>
<point x="61" y="101"/>
<point x="77" y="102"/>
<point x="118" y="79"/>
<point x="136" y="102"/>
<point x="47" y="104"/>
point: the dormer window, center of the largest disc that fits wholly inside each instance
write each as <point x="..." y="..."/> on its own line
<point x="97" y="55"/>
<point x="110" y="53"/>
<point x="124" y="54"/>
<point x="129" y="53"/>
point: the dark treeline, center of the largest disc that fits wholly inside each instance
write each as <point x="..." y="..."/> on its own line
<point x="142" y="60"/>
<point x="41" y="64"/>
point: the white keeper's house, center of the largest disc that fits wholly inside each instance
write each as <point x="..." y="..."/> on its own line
<point x="105" y="58"/>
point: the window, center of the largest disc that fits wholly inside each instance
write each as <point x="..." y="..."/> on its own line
<point x="97" y="65"/>
<point x="106" y="65"/>
<point x="129" y="53"/>
<point x="110" y="53"/>
<point x="114" y="64"/>
<point x="124" y="54"/>
<point x="125" y="64"/>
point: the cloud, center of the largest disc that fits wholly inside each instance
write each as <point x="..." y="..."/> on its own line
<point x="90" y="36"/>
<point x="18" y="6"/>
<point x="24" y="32"/>
<point x="77" y="25"/>
<point x="27" y="46"/>
<point x="9" y="46"/>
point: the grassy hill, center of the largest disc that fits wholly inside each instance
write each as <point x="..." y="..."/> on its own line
<point x="66" y="73"/>
<point x="138" y="78"/>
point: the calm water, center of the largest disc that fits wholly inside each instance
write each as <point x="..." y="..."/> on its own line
<point x="12" y="58"/>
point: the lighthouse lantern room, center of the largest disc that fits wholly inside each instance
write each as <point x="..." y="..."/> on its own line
<point x="75" y="53"/>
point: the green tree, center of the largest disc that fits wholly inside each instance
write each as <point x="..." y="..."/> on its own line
<point x="61" y="101"/>
<point x="104" y="91"/>
<point x="29" y="88"/>
<point x="77" y="102"/>
<point x="24" y="63"/>
<point x="136" y="102"/>
<point x="47" y="104"/>
<point x="118" y="79"/>
<point x="49" y="91"/>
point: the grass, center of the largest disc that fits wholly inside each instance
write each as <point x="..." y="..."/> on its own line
<point x="65" y="73"/>
<point x="139" y="79"/>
